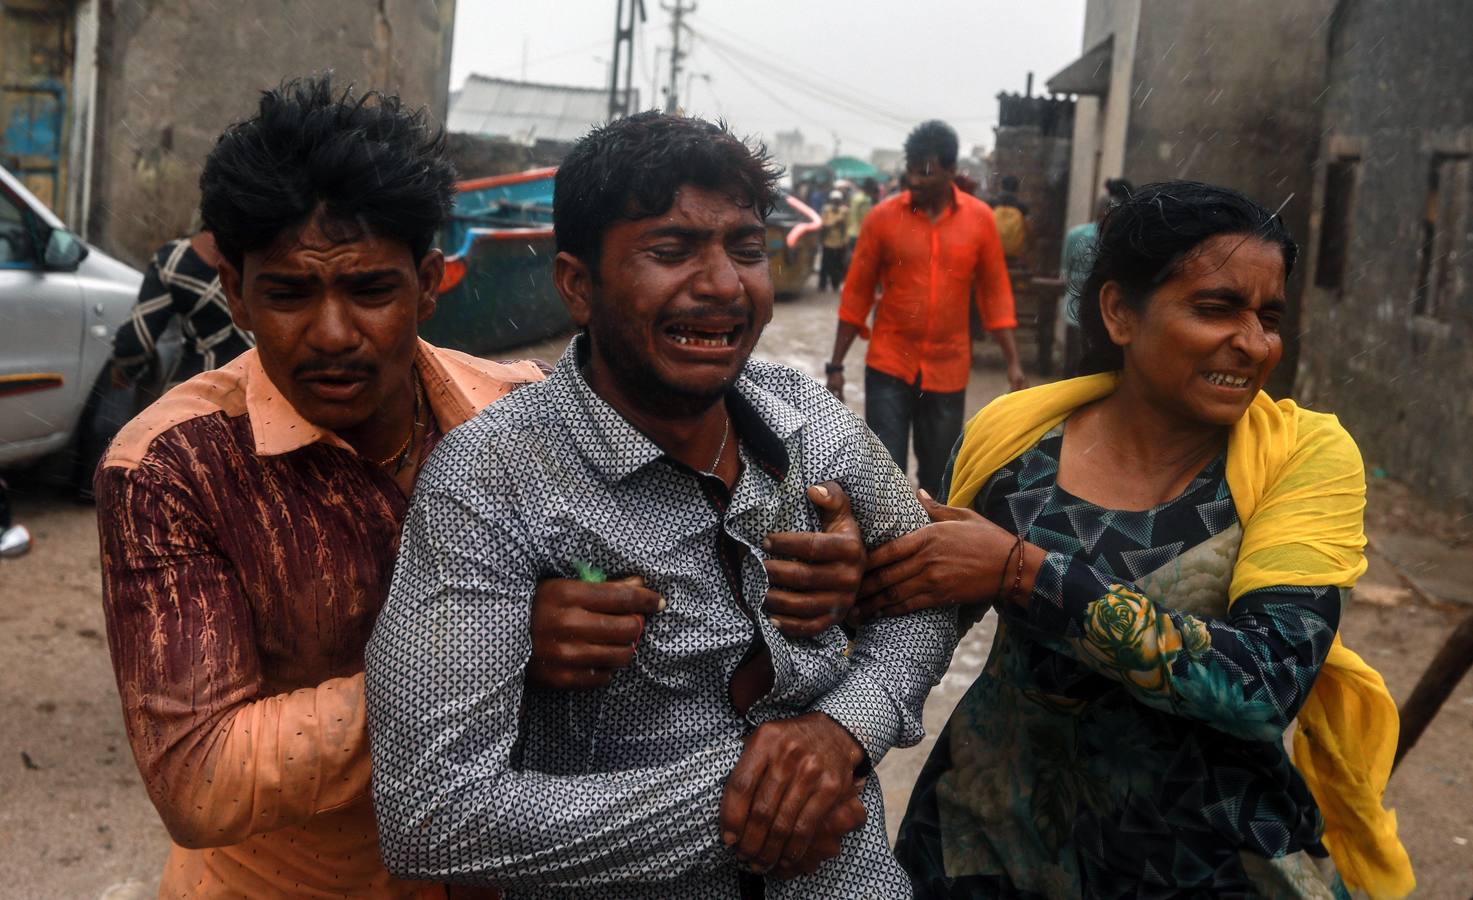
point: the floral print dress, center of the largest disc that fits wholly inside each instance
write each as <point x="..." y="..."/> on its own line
<point x="1125" y="738"/>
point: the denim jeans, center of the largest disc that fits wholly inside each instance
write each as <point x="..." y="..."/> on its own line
<point x="895" y="409"/>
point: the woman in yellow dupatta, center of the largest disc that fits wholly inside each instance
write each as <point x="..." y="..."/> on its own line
<point x="1169" y="551"/>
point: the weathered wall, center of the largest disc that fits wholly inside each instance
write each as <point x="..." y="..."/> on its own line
<point x="1231" y="92"/>
<point x="173" y="73"/>
<point x="1400" y="90"/>
<point x="1100" y="122"/>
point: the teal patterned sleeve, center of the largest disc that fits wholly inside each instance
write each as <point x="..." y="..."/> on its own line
<point x="1246" y="674"/>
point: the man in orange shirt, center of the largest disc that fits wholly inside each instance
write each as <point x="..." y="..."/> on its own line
<point x="929" y="249"/>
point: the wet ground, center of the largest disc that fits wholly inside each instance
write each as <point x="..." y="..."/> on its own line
<point x="75" y="822"/>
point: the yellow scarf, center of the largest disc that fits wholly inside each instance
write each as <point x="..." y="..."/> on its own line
<point x="1298" y="483"/>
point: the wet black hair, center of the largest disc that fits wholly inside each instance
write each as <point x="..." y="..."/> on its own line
<point x="928" y="139"/>
<point x="631" y="169"/>
<point x="1143" y="241"/>
<point x="371" y="166"/>
<point x="1118" y="189"/>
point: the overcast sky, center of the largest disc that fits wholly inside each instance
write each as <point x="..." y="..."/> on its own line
<point x="859" y="72"/>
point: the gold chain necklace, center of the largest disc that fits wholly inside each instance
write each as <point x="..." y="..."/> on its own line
<point x="398" y="456"/>
<point x="725" y="433"/>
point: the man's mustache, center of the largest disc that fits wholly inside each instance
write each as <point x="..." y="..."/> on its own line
<point x="313" y="368"/>
<point x="737" y="310"/>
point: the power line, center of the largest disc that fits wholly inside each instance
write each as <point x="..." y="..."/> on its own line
<point x="817" y="81"/>
<point x="581" y="48"/>
<point x="880" y="107"/>
<point x="796" y="81"/>
<point x="774" y="96"/>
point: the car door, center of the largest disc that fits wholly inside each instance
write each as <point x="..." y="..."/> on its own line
<point x="41" y="320"/>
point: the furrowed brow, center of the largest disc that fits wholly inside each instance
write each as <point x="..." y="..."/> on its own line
<point x="677" y="231"/>
<point x="1228" y="294"/>
<point x="286" y="280"/>
<point x="358" y="279"/>
<point x="746" y="231"/>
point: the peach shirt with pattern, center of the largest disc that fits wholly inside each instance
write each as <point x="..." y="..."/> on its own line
<point x="245" y="556"/>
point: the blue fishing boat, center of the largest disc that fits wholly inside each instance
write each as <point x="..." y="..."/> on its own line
<point x="498" y="292"/>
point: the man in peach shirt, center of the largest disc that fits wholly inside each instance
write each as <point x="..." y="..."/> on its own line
<point x="929" y="250"/>
<point x="249" y="518"/>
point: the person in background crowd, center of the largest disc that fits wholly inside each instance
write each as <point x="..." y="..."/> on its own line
<point x="860" y="203"/>
<point x="1008" y="195"/>
<point x="816" y="196"/>
<point x="1014" y="228"/>
<point x="835" y="237"/>
<point x="180" y="283"/>
<point x="1074" y="264"/>
<point x="731" y="753"/>
<point x="926" y="249"/>
<point x="1169" y="551"/>
<point x="249" y="518"/>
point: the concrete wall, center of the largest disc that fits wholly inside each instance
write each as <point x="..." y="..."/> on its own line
<point x="1224" y="91"/>
<point x="171" y="74"/>
<point x="1231" y="92"/>
<point x="1400" y="91"/>
<point x="1100" y="122"/>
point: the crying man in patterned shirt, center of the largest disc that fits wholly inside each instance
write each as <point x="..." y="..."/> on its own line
<point x="729" y="750"/>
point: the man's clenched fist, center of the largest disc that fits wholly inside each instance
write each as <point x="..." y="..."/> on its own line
<point x="583" y="632"/>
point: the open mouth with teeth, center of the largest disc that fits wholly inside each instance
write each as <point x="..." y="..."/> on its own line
<point x="703" y="337"/>
<point x="1222" y="379"/>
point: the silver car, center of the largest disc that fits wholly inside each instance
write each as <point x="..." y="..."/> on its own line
<point x="61" y="301"/>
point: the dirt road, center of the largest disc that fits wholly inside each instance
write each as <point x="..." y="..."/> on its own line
<point x="76" y="823"/>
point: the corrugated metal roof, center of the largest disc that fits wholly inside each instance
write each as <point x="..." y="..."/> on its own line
<point x="525" y="112"/>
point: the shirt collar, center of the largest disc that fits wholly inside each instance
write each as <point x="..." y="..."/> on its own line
<point x="278" y="428"/>
<point x="948" y="210"/>
<point x="616" y="449"/>
<point x="765" y="421"/>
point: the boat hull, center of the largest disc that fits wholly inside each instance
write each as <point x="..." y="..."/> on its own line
<point x="498" y="293"/>
<point x="791" y="266"/>
<point x="506" y="297"/>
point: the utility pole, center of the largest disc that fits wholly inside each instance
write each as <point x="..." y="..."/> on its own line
<point x="677" y="13"/>
<point x="621" y="96"/>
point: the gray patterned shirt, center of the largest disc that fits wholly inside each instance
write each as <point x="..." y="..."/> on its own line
<point x="615" y="793"/>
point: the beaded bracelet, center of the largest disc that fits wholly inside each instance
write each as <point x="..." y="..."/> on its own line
<point x="1017" y="578"/>
<point x="1003" y="576"/>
